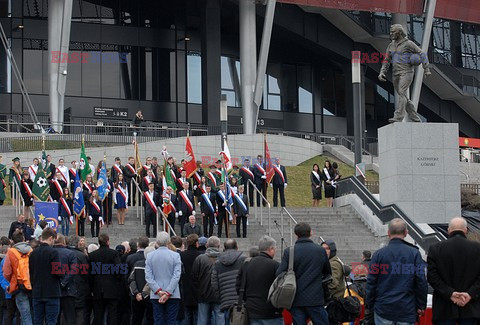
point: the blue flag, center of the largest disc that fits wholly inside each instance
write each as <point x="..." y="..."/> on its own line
<point x="78" y="202"/>
<point x="102" y="182"/>
<point x="47" y="211"/>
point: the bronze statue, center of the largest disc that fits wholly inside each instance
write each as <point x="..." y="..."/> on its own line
<point x="404" y="55"/>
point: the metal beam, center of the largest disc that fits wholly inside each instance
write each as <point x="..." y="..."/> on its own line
<point x="427" y="32"/>
<point x="247" y="61"/>
<point x="263" y="56"/>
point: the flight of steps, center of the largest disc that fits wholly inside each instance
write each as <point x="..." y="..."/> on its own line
<point x="342" y="225"/>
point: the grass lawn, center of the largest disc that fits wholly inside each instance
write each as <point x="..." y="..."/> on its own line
<point x="299" y="192"/>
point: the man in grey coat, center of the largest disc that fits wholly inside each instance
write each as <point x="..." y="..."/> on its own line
<point x="192" y="227"/>
<point x="224" y="275"/>
<point x="162" y="273"/>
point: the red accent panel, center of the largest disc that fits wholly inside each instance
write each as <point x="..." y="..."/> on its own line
<point x="469" y="142"/>
<point x="462" y="10"/>
<point x="397" y="6"/>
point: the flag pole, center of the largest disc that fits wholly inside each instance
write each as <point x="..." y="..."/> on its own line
<point x="105" y="162"/>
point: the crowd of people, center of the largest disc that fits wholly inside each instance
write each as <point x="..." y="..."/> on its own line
<point x="219" y="203"/>
<point x="198" y="280"/>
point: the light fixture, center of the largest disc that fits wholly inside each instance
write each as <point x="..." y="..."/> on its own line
<point x="19" y="27"/>
<point x="184" y="39"/>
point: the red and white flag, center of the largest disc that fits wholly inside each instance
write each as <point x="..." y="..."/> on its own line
<point x="227" y="159"/>
<point x="190" y="162"/>
<point x="270" y="172"/>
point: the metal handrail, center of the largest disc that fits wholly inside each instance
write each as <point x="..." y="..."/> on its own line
<point x="386" y="213"/>
<point x="291" y="221"/>
<point x="139" y="201"/>
<point x="10" y="121"/>
<point x="165" y="223"/>
<point x="264" y="199"/>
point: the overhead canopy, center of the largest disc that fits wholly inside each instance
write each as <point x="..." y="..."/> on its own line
<point x="461" y="10"/>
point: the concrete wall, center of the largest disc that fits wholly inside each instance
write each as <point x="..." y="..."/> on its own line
<point x="290" y="150"/>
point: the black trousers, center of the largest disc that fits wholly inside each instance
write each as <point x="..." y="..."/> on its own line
<point x="95" y="226"/>
<point x="99" y="308"/>
<point x="182" y="220"/>
<point x="12" y="312"/>
<point x="132" y="193"/>
<point x="67" y="311"/>
<point x="262" y="187"/>
<point x="276" y="189"/>
<point x="107" y="209"/>
<point x="151" y="219"/>
<point x="208" y="223"/>
<point x="250" y="193"/>
<point x="222" y="219"/>
<point x="242" y="220"/>
<point x="81" y="226"/>
<point x="142" y="310"/>
<point x="171" y="221"/>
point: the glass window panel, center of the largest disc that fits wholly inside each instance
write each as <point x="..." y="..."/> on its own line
<point x="305" y="101"/>
<point x="274" y="102"/>
<point x="91" y="75"/>
<point x="110" y="74"/>
<point x="194" y="78"/>
<point x="329" y="108"/>
<point x="74" y="79"/>
<point x="148" y="74"/>
<point x="32" y="70"/>
<point x="273" y="87"/>
<point x="230" y="97"/>
<point x="226" y="75"/>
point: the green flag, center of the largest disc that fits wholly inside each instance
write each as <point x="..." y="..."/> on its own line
<point x="41" y="188"/>
<point x="84" y="165"/>
<point x="46" y="164"/>
<point x="3" y="184"/>
<point x="169" y="178"/>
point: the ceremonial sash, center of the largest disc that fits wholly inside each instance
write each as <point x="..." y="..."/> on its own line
<point x="65" y="206"/>
<point x="186" y="200"/>
<point x="89" y="187"/>
<point x="203" y="188"/>
<point x="207" y="201"/>
<point x="59" y="187"/>
<point x="179" y="181"/>
<point x="316" y="176"/>
<point x="227" y="207"/>
<point x="147" y="168"/>
<point x="248" y="171"/>
<point x="222" y="196"/>
<point x="150" y="201"/>
<point x="279" y="172"/>
<point x="118" y="169"/>
<point x="73" y="171"/>
<point x="327" y="174"/>
<point x="197" y="178"/>
<point x="132" y="170"/>
<point x="33" y="170"/>
<point x="242" y="204"/>
<point x="95" y="205"/>
<point x="109" y="188"/>
<point x="173" y="175"/>
<point x="260" y="168"/>
<point x="61" y="173"/>
<point x="212" y="178"/>
<point x="145" y="179"/>
<point x="120" y="190"/>
<point x="170" y="203"/>
<point x="219" y="173"/>
<point x="3" y="182"/>
<point x="27" y="189"/>
<point x="232" y="193"/>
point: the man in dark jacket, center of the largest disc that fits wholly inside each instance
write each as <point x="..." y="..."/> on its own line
<point x="192" y="227"/>
<point x="208" y="301"/>
<point x="224" y="275"/>
<point x="19" y="224"/>
<point x="396" y="284"/>
<point x="46" y="290"/>
<point x="80" y="279"/>
<point x="260" y="274"/>
<point x="454" y="274"/>
<point x="188" y="256"/>
<point x="279" y="183"/>
<point x="105" y="276"/>
<point x="311" y="266"/>
<point x="69" y="289"/>
<point x="141" y="305"/>
<point x="139" y="255"/>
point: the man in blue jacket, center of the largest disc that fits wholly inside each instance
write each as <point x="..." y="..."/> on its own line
<point x="310" y="263"/>
<point x="396" y="283"/>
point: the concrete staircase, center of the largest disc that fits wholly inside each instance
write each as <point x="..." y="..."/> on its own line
<point x="342" y="225"/>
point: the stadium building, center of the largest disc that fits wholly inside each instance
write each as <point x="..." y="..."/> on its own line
<point x="173" y="59"/>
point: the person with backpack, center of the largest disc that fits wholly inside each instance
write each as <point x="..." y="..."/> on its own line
<point x="10" y="310"/>
<point x="46" y="289"/>
<point x="337" y="286"/>
<point x="16" y="271"/>
<point x="310" y="265"/>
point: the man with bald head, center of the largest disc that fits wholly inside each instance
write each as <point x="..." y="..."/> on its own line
<point x="396" y="283"/>
<point x="454" y="274"/>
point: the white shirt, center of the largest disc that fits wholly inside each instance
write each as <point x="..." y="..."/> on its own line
<point x="33" y="174"/>
<point x="65" y="173"/>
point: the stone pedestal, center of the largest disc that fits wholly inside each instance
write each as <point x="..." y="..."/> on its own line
<point x="419" y="170"/>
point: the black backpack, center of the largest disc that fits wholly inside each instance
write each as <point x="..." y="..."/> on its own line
<point x="344" y="310"/>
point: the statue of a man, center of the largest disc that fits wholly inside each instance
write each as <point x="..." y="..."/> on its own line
<point x="404" y="55"/>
